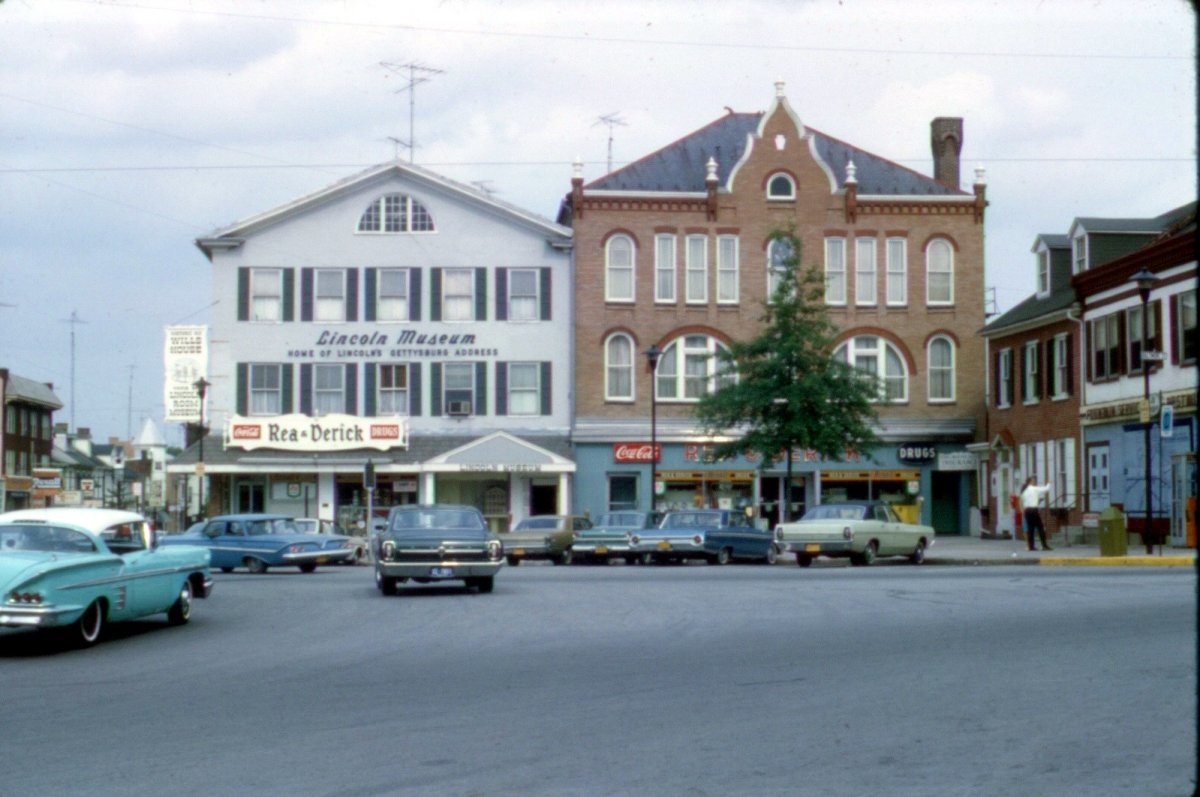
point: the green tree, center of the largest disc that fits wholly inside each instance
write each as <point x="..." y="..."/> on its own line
<point x="790" y="392"/>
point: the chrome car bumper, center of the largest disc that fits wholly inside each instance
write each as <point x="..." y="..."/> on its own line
<point x="38" y="616"/>
<point x="815" y="548"/>
<point x="335" y="555"/>
<point x="602" y="548"/>
<point x="429" y="569"/>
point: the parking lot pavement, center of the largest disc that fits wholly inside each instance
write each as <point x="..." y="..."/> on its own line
<point x="963" y="550"/>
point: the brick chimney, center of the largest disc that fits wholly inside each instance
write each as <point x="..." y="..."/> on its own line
<point x="946" y="137"/>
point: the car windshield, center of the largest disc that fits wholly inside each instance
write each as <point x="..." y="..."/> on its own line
<point x="48" y="539"/>
<point x="417" y="520"/>
<point x="539" y="523"/>
<point x="836" y="512"/>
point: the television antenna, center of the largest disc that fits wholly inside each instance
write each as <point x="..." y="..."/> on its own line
<point x="417" y="73"/>
<point x="611" y="120"/>
<point x="73" y="321"/>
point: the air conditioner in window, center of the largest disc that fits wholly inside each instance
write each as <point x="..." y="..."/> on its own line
<point x="459" y="408"/>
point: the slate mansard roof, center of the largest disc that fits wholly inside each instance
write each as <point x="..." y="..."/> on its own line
<point x="680" y="167"/>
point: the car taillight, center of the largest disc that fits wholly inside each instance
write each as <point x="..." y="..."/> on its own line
<point x="25" y="597"/>
<point x="495" y="550"/>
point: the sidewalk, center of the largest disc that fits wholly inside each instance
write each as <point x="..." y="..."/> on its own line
<point x="959" y="550"/>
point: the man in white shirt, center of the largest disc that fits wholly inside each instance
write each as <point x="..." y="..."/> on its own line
<point x="1031" y="499"/>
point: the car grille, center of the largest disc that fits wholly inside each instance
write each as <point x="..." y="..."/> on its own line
<point x="435" y="555"/>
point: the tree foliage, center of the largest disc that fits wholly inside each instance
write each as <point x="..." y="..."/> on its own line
<point x="790" y="391"/>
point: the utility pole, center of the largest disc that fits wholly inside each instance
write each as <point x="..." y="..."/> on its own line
<point x="413" y="68"/>
<point x="612" y="120"/>
<point x="129" y="408"/>
<point x="73" y="320"/>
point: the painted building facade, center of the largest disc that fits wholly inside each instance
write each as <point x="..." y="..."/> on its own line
<point x="395" y="318"/>
<point x="674" y="251"/>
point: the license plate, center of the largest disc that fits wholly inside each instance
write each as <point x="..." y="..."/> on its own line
<point x="441" y="572"/>
<point x="322" y="560"/>
<point x="600" y="549"/>
<point x="812" y="548"/>
<point x="664" y="546"/>
<point x="518" y="552"/>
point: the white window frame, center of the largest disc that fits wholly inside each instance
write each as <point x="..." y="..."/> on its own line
<point x="885" y="355"/>
<point x="1103" y="328"/>
<point x="1133" y="335"/>
<point x="526" y="398"/>
<point x="791" y="187"/>
<point x="393" y="306"/>
<point x="665" y="269"/>
<point x="462" y="303"/>
<point x="676" y="371"/>
<point x="613" y="269"/>
<point x="1062" y="473"/>
<point x="393" y="214"/>
<point x="397" y="397"/>
<point x="728" y="269"/>
<point x="897" y="272"/>
<point x="264" y="398"/>
<point x="835" y="271"/>
<point x="266" y="295"/>
<point x="1060" y="375"/>
<point x="940" y="275"/>
<point x="530" y="301"/>
<point x="866" y="284"/>
<point x="328" y="399"/>
<point x="617" y="369"/>
<point x="948" y="371"/>
<point x="1043" y="272"/>
<point x="329" y="307"/>
<point x="1004" y="379"/>
<point x="1079" y="253"/>
<point x="778" y="250"/>
<point x="1030" y="373"/>
<point x="465" y="374"/>
<point x="695" y="269"/>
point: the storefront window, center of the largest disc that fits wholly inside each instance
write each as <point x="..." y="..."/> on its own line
<point x="622" y="491"/>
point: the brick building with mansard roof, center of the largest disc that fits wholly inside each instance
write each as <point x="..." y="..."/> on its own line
<point x="673" y="251"/>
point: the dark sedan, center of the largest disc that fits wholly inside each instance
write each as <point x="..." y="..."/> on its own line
<point x="435" y="543"/>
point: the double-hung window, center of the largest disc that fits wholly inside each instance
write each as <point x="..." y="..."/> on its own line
<point x="330" y="297"/>
<point x="696" y="269"/>
<point x="780" y="254"/>
<point x="1061" y="375"/>
<point x="1004" y="378"/>
<point x="1106" y="347"/>
<point x="664" y="268"/>
<point x="727" y="269"/>
<point x="835" y="270"/>
<point x="618" y="374"/>
<point x="459" y="386"/>
<point x="266" y="390"/>
<point x="392" y="398"/>
<point x="524" y="389"/>
<point x="1138" y="343"/>
<point x="523" y="300"/>
<point x="266" y="294"/>
<point x="1185" y="327"/>
<point x="897" y="272"/>
<point x="1031" y="372"/>
<point x="941" y="370"/>
<point x="392" y="300"/>
<point x="329" y="389"/>
<point x="618" y="269"/>
<point x="939" y="273"/>
<point x="864" y="271"/>
<point x="458" y="294"/>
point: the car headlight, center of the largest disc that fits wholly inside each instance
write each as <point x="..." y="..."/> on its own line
<point x="389" y="550"/>
<point x="848" y="533"/>
<point x="634" y="539"/>
<point x="779" y="533"/>
<point x="495" y="550"/>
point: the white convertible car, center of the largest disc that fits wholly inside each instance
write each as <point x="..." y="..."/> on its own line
<point x="861" y="531"/>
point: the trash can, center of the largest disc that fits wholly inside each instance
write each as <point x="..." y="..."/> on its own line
<point x="1113" y="540"/>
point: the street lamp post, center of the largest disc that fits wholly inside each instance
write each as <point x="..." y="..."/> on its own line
<point x="652" y="355"/>
<point x="201" y="386"/>
<point x="1145" y="280"/>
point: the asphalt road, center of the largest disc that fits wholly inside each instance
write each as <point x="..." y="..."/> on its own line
<point x="691" y="680"/>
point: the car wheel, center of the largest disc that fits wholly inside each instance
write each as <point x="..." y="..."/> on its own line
<point x="918" y="556"/>
<point x="804" y="559"/>
<point x="86" y="631"/>
<point x="868" y="556"/>
<point x="181" y="610"/>
<point x="723" y="557"/>
<point x="386" y="584"/>
<point x="647" y="558"/>
<point x="307" y="567"/>
<point x="564" y="558"/>
<point x="226" y="569"/>
<point x="484" y="584"/>
<point x="255" y="565"/>
<point x="631" y="560"/>
<point x="772" y="555"/>
<point x="513" y="561"/>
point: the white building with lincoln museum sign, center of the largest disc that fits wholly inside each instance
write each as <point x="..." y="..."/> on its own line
<point x="395" y="318"/>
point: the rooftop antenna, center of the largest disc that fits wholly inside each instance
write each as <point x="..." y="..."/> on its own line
<point x="989" y="302"/>
<point x="73" y="320"/>
<point x="129" y="408"/>
<point x="612" y="120"/>
<point x="397" y="143"/>
<point x="413" y="68"/>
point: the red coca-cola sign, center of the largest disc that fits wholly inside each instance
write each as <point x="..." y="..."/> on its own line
<point x="637" y="452"/>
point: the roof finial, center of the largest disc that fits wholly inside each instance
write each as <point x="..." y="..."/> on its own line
<point x="711" y="169"/>
<point x="577" y="167"/>
<point x="979" y="175"/>
<point x="851" y="171"/>
<point x="779" y="88"/>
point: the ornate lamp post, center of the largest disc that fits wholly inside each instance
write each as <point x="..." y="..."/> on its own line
<point x="201" y="386"/>
<point x="1145" y="280"/>
<point x="652" y="355"/>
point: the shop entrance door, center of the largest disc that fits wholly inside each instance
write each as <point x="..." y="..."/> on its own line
<point x="543" y="499"/>
<point x="1183" y="496"/>
<point x="251" y="497"/>
<point x="944" y="512"/>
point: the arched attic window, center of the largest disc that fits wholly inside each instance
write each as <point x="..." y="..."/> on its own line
<point x="395" y="213"/>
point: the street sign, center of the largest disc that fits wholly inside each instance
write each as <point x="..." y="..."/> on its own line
<point x="1167" y="425"/>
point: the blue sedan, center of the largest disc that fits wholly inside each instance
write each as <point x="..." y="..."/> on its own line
<point x="717" y="536"/>
<point x="77" y="570"/>
<point x="257" y="541"/>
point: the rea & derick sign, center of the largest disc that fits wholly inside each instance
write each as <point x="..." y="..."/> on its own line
<point x="326" y="433"/>
<point x="637" y="452"/>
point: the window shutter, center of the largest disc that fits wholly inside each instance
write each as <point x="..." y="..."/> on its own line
<point x="352" y="294"/>
<point x="501" y="296"/>
<point x="1122" y="342"/>
<point x="351" y="388"/>
<point x="243" y="374"/>
<point x="1088" y="348"/>
<point x="481" y="388"/>
<point x="501" y="388"/>
<point x="1173" y="321"/>
<point x="243" y="294"/>
<point x="289" y="294"/>
<point x="435" y="389"/>
<point x="544" y="294"/>
<point x="1041" y="352"/>
<point x="435" y="294"/>
<point x="286" y="389"/>
<point x="414" y="389"/>
<point x="545" y="386"/>
<point x="306" y="383"/>
<point x="370" y="375"/>
<point x="1010" y="388"/>
<point x="1158" y="328"/>
<point x="414" y="294"/>
<point x="306" y="294"/>
<point x="1070" y="364"/>
<point x="1022" y="371"/>
<point x="481" y="295"/>
<point x="370" y="296"/>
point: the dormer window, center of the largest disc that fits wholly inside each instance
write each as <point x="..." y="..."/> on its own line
<point x="395" y="213"/>
<point x="1079" y="254"/>
<point x="781" y="186"/>
<point x="1043" y="272"/>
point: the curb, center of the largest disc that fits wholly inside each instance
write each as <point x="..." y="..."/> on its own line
<point x="1119" y="561"/>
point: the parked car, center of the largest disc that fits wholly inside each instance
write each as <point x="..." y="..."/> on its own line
<point x="544" y="537"/>
<point x="77" y="570"/>
<point x="257" y="541"/>
<point x="429" y="543"/>
<point x="308" y="525"/>
<point x="861" y="531"/>
<point x="717" y="536"/>
<point x="608" y="538"/>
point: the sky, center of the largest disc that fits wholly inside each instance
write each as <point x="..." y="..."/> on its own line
<point x="129" y="129"/>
